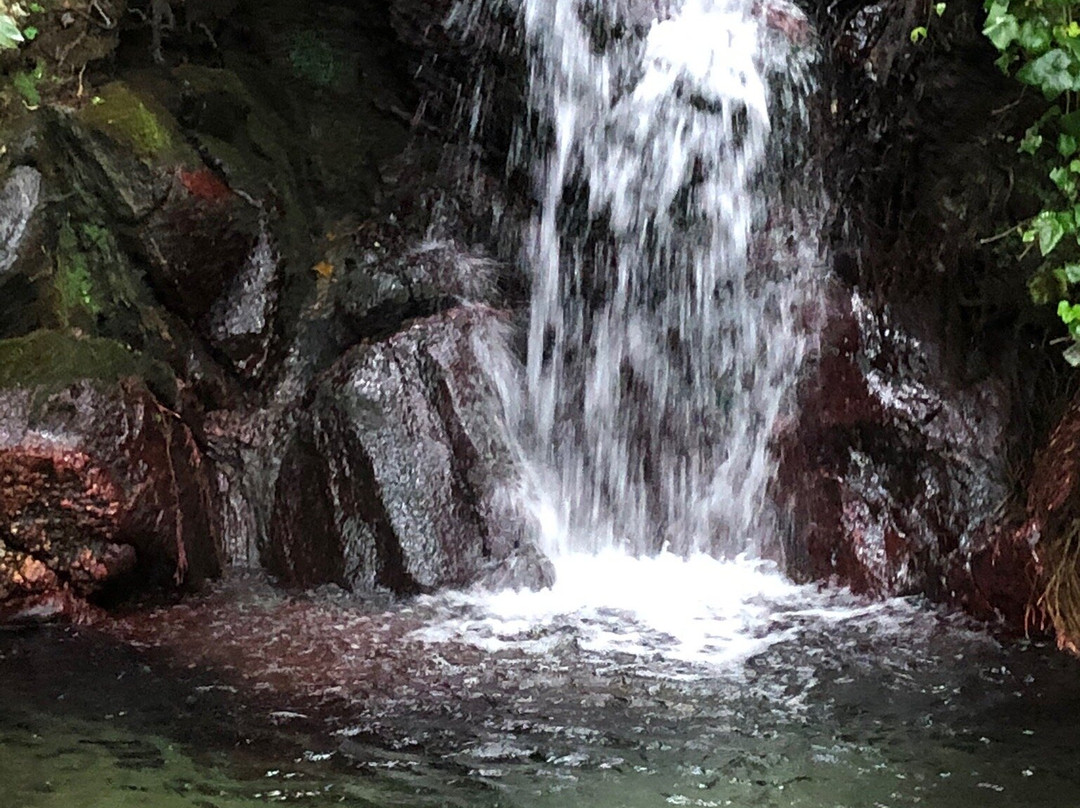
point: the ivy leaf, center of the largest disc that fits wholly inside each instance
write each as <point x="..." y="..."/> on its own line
<point x="1049" y="229"/>
<point x="1033" y="37"/>
<point x="1065" y="182"/>
<point x="1068" y="312"/>
<point x="939" y="8"/>
<point x="1050" y="72"/>
<point x="1070" y="315"/>
<point x="1072" y="354"/>
<point x="10" y="35"/>
<point x="1001" y="27"/>
<point x="1004" y="62"/>
<point x="1031" y="143"/>
<point x="1067" y="145"/>
<point x="918" y="34"/>
<point x="1046" y="287"/>
<point x="1070" y="124"/>
<point x="1071" y="273"/>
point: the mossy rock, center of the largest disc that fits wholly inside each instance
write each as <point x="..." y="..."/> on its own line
<point x="137" y="121"/>
<point x="77" y="296"/>
<point x="52" y="360"/>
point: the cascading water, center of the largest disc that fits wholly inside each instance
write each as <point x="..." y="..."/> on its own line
<point x="661" y="355"/>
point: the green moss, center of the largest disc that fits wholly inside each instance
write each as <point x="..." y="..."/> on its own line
<point x="202" y="80"/>
<point x="51" y="360"/>
<point x="135" y="121"/>
<point x="74" y="282"/>
<point x="313" y="60"/>
<point x="26" y="83"/>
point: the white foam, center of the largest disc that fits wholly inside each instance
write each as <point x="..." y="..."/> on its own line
<point x="697" y="610"/>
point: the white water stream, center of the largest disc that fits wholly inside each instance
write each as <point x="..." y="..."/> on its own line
<point x="661" y="357"/>
<point x="668" y="316"/>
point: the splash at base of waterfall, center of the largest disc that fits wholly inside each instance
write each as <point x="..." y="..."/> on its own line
<point x="695" y="611"/>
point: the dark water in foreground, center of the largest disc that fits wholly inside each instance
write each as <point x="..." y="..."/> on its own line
<point x="246" y="697"/>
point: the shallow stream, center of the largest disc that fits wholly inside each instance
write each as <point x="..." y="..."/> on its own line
<point x="726" y="685"/>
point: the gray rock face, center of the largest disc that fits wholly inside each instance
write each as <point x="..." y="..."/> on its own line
<point x="19" y="201"/>
<point x="401" y="472"/>
<point x="242" y="321"/>
<point x="381" y="286"/>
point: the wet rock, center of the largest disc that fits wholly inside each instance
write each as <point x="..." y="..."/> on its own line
<point x="786" y="18"/>
<point x="381" y="285"/>
<point x="98" y="478"/>
<point x="19" y="201"/>
<point x="247" y="447"/>
<point x="195" y="250"/>
<point x="899" y="472"/>
<point x="401" y="473"/>
<point x="201" y="250"/>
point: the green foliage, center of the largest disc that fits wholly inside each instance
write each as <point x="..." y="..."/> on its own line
<point x="26" y="84"/>
<point x="74" y="283"/>
<point x="921" y="32"/>
<point x="1039" y="43"/>
<point x="10" y="34"/>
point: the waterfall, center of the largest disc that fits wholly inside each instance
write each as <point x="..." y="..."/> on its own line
<point x="669" y="289"/>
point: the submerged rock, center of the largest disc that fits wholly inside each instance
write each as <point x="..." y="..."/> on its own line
<point x="401" y="473"/>
<point x="98" y="478"/>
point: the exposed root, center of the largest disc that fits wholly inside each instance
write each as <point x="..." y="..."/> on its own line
<point x="1060" y="599"/>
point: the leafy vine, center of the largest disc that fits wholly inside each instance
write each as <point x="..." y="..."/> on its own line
<point x="1039" y="44"/>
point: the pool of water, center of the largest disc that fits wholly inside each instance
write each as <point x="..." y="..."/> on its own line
<point x="630" y="684"/>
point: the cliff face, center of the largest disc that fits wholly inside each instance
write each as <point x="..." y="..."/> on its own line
<point x="203" y="205"/>
<point x="226" y="302"/>
<point x="935" y="384"/>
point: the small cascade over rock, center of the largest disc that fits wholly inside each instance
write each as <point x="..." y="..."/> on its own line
<point x="665" y="337"/>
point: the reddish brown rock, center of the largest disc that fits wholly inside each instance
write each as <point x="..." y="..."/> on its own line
<point x="1050" y="533"/>
<point x="99" y="480"/>
<point x="898" y="474"/>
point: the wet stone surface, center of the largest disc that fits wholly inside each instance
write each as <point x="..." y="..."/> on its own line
<point x="401" y="473"/>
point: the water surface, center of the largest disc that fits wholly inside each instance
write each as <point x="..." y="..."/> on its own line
<point x="727" y="686"/>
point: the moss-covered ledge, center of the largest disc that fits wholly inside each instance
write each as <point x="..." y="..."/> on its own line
<point x="49" y="361"/>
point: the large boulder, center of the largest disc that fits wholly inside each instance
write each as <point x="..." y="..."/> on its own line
<point x="98" y="477"/>
<point x="402" y="472"/>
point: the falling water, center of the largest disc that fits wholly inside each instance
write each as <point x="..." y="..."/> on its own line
<point x="665" y="334"/>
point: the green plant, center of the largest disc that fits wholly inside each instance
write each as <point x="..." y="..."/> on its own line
<point x="920" y="33"/>
<point x="313" y="60"/>
<point x="12" y="32"/>
<point x="26" y="83"/>
<point x="1039" y="44"/>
